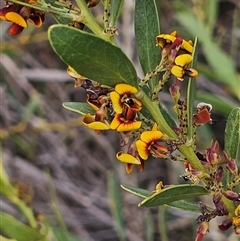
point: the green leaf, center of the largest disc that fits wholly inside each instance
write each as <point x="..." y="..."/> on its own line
<point x="146" y="29"/>
<point x="185" y="205"/>
<point x="210" y="9"/>
<point x="116" y="205"/>
<point x="220" y="62"/>
<point x="173" y="193"/>
<point x="92" y="56"/>
<point x="17" y="230"/>
<point x="191" y="90"/>
<point x="79" y="107"/>
<point x="232" y="133"/>
<point x="116" y="8"/>
<point x="137" y="191"/>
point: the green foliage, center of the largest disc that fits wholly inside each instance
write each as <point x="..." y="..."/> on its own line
<point x="17" y="230"/>
<point x="79" y="107"/>
<point x="232" y="134"/>
<point x="115" y="10"/>
<point x="170" y="196"/>
<point x="145" y="34"/>
<point x="91" y="56"/>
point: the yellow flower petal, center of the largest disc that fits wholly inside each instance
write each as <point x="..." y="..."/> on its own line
<point x="236" y="221"/>
<point x="129" y="125"/>
<point x="16" y="18"/>
<point x="116" y="101"/>
<point x="178" y="72"/>
<point x="162" y="39"/>
<point x="115" y="122"/>
<point x="237" y="210"/>
<point x="192" y="72"/>
<point x="155" y="127"/>
<point x="151" y="136"/>
<point x="2" y="17"/>
<point x="187" y="46"/>
<point x="142" y="149"/>
<point x="127" y="158"/>
<point x="125" y="89"/>
<point x="98" y="125"/>
<point x="183" y="60"/>
<point x="89" y="121"/>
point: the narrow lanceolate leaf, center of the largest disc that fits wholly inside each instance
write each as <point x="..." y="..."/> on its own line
<point x="185" y="205"/>
<point x="115" y="10"/>
<point x="137" y="191"/>
<point x="146" y="29"/>
<point x="191" y="90"/>
<point x="232" y="133"/>
<point x="17" y="230"/>
<point x="175" y="193"/>
<point x="79" y="107"/>
<point x="92" y="56"/>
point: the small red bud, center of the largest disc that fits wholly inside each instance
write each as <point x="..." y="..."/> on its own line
<point x="231" y="195"/>
<point x="219" y="174"/>
<point x="202" y="230"/>
<point x="226" y="224"/>
<point x="232" y="167"/>
<point x="175" y="92"/>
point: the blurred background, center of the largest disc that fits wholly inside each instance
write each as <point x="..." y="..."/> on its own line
<point x="65" y="171"/>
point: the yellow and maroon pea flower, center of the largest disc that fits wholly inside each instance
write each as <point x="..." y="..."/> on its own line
<point x="148" y="143"/>
<point x="121" y="124"/>
<point x="121" y="95"/>
<point x="181" y="67"/>
<point x="20" y="15"/>
<point x="236" y="220"/>
<point x="131" y="158"/>
<point x="172" y="45"/>
<point x="97" y="122"/>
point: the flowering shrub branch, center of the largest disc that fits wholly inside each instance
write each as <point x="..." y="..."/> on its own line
<point x="118" y="100"/>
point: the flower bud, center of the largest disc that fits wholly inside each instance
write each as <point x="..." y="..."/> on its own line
<point x="232" y="167"/>
<point x="175" y="92"/>
<point x="226" y="224"/>
<point x="202" y="230"/>
<point x="217" y="197"/>
<point x="231" y="195"/>
<point x="212" y="157"/>
<point x="219" y="174"/>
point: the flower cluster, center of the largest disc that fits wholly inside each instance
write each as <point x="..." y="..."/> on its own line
<point x="216" y="165"/>
<point x="118" y="109"/>
<point x="176" y="55"/>
<point x="19" y="16"/>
